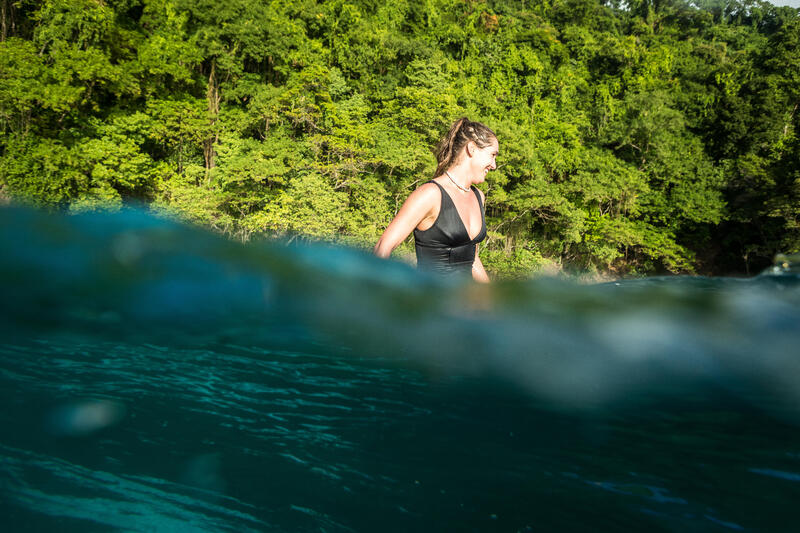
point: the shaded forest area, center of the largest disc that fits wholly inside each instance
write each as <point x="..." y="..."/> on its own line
<point x="636" y="138"/>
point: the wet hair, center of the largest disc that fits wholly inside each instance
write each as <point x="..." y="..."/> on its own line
<point x="461" y="132"/>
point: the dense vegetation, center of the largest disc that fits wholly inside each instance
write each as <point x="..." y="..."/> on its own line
<point x="638" y="137"/>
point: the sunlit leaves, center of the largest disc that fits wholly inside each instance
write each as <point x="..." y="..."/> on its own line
<point x="632" y="135"/>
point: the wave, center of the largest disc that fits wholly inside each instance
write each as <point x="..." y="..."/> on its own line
<point x="131" y="275"/>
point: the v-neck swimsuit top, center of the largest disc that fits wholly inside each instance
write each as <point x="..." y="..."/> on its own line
<point x="446" y="247"/>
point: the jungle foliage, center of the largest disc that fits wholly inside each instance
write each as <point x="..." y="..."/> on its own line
<point x="636" y="137"/>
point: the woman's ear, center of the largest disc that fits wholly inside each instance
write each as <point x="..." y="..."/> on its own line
<point x="470" y="146"/>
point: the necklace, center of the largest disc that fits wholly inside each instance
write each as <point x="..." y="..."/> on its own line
<point x="465" y="189"/>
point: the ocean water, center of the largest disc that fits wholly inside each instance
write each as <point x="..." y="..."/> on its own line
<point x="154" y="377"/>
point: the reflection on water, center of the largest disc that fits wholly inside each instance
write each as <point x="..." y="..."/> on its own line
<point x="85" y="417"/>
<point x="155" y="378"/>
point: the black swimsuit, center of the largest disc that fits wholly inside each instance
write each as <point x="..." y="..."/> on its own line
<point x="446" y="247"/>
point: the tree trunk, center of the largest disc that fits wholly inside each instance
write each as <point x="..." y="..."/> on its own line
<point x="213" y="98"/>
<point x="791" y="118"/>
<point x="5" y="14"/>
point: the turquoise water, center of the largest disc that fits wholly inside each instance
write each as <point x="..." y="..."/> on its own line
<point x="157" y="378"/>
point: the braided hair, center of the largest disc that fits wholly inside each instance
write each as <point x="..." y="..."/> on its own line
<point x="461" y="132"/>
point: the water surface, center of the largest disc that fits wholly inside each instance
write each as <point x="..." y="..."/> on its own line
<point x="157" y="378"/>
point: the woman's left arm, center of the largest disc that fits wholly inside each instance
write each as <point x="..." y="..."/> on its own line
<point x="478" y="272"/>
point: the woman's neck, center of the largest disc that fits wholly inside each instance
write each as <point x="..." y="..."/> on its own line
<point x="459" y="178"/>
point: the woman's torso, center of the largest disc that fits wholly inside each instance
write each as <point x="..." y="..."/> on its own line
<point x="446" y="246"/>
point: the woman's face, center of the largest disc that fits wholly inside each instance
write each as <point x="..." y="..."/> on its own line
<point x="484" y="160"/>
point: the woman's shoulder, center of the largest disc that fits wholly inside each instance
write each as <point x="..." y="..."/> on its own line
<point x="426" y="196"/>
<point x="428" y="191"/>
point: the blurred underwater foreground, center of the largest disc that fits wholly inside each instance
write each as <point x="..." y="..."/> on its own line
<point x="154" y="377"/>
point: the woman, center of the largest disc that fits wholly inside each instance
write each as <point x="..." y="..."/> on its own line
<point x="447" y="213"/>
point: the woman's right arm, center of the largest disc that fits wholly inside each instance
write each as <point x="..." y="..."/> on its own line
<point x="419" y="205"/>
